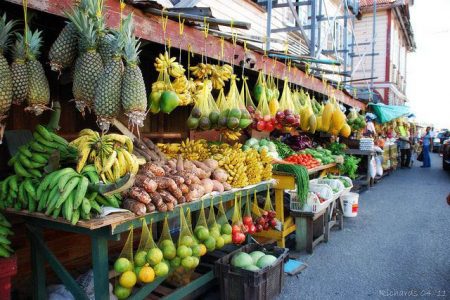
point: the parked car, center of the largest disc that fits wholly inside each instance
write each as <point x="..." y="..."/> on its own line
<point x="439" y="140"/>
<point x="446" y="155"/>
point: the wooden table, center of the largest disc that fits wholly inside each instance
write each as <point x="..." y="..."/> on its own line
<point x="366" y="154"/>
<point x="286" y="181"/>
<point x="100" y="232"/>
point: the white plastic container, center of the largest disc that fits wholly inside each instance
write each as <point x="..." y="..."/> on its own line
<point x="350" y="201"/>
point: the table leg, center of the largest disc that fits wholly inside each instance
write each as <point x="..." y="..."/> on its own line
<point x="310" y="235"/>
<point x="38" y="267"/>
<point x="326" y="225"/>
<point x="301" y="229"/>
<point x="279" y="209"/>
<point x="100" y="267"/>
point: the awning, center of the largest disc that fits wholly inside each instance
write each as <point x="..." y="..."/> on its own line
<point x="386" y="113"/>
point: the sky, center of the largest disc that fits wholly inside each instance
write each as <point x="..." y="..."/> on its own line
<point x="428" y="73"/>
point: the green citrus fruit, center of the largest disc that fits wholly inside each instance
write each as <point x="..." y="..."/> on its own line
<point x="122" y="265"/>
<point x="210" y="243"/>
<point x="154" y="256"/>
<point x="121" y="292"/>
<point x="220" y="242"/>
<point x="161" y="269"/>
<point x="226" y="229"/>
<point x="169" y="252"/>
<point x="184" y="251"/>
<point x="140" y="258"/>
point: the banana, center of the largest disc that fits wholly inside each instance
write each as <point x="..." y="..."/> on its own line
<point x="63" y="180"/>
<point x="88" y="168"/>
<point x="116" y="170"/>
<point x="75" y="217"/>
<point x="68" y="188"/>
<point x="108" y="163"/>
<point x="56" y="138"/>
<point x="24" y="160"/>
<point x="122" y="139"/>
<point x="44" y="132"/>
<point x="41" y="140"/>
<point x="29" y="188"/>
<point x="35" y="146"/>
<point x="20" y="170"/>
<point x="24" y="150"/>
<point x="60" y="173"/>
<point x="122" y="163"/>
<point x="40" y="158"/>
<point x="82" y="159"/>
<point x="92" y="176"/>
<point x="80" y="192"/>
<point x="21" y="193"/>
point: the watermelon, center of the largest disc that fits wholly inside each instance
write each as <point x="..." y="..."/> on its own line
<point x="256" y="255"/>
<point x="265" y="261"/>
<point x="241" y="260"/>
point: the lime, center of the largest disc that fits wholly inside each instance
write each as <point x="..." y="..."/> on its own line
<point x="226" y="229"/>
<point x="220" y="242"/>
<point x="184" y="251"/>
<point x="127" y="279"/>
<point x="140" y="258"/>
<point x="202" y="233"/>
<point x="161" y="269"/>
<point x="169" y="252"/>
<point x="121" y="292"/>
<point x="210" y="243"/>
<point x="187" y="241"/>
<point x="122" y="265"/>
<point x="154" y="256"/>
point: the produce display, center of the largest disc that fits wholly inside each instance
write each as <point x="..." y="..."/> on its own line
<point x="260" y="145"/>
<point x="356" y="121"/>
<point x="5" y="231"/>
<point x="306" y="160"/>
<point x="323" y="156"/>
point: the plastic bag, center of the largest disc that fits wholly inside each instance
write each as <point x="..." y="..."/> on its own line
<point x="140" y="258"/>
<point x="260" y="88"/>
<point x="262" y="119"/>
<point x="268" y="213"/>
<point x="201" y="230"/>
<point x="167" y="247"/>
<point x="379" y="167"/>
<point x="215" y="241"/>
<point x="272" y="94"/>
<point x="205" y="114"/>
<point x="286" y="114"/>
<point x="372" y="168"/>
<point x="163" y="97"/>
<point x="124" y="266"/>
<point x="222" y="221"/>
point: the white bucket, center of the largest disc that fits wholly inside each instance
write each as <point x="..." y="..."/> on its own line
<point x="350" y="201"/>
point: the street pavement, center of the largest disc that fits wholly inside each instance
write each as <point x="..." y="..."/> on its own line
<point x="398" y="245"/>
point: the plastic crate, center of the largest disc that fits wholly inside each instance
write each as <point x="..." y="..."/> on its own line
<point x="8" y="267"/>
<point x="239" y="284"/>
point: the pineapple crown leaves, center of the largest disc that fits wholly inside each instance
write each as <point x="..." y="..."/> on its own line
<point x="6" y="30"/>
<point x="132" y="44"/>
<point x="94" y="9"/>
<point x="19" y="48"/>
<point x="116" y="41"/>
<point x="33" y="44"/>
<point x="85" y="28"/>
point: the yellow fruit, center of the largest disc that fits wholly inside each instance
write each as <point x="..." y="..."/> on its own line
<point x="326" y="116"/>
<point x="312" y="123"/>
<point x="154" y="256"/>
<point x="147" y="274"/>
<point x="128" y="279"/>
<point x="273" y="106"/>
<point x="203" y="250"/>
<point x="345" y="131"/>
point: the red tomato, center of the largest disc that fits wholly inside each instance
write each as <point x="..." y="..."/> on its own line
<point x="269" y="126"/>
<point x="247" y="220"/>
<point x="235" y="229"/>
<point x="260" y="125"/>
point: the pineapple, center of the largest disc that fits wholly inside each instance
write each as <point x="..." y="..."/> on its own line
<point x="88" y="66"/>
<point x="38" y="95"/>
<point x="107" y="96"/>
<point x="133" y="96"/>
<point x="63" y="52"/>
<point x="6" y="30"/>
<point x="19" y="71"/>
<point x="94" y="8"/>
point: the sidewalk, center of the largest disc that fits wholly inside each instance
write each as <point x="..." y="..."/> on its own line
<point x="398" y="245"/>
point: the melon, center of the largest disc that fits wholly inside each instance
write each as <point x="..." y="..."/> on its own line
<point x="252" y="268"/>
<point x="265" y="261"/>
<point x="241" y="260"/>
<point x="256" y="255"/>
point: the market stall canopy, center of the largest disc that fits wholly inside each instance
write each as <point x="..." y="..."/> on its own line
<point x="386" y="113"/>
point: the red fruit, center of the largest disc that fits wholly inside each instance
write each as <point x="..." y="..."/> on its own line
<point x="252" y="229"/>
<point x="259" y="228"/>
<point x="278" y="126"/>
<point x="273" y="223"/>
<point x="264" y="213"/>
<point x="260" y="125"/>
<point x="245" y="228"/>
<point x="250" y="109"/>
<point x="235" y="229"/>
<point x="288" y="112"/>
<point x="261" y="221"/>
<point x="247" y="220"/>
<point x="272" y="214"/>
<point x="269" y="126"/>
<point x="279" y="115"/>
<point x="241" y="237"/>
<point x="267" y="118"/>
<point x="290" y="119"/>
<point x="266" y="226"/>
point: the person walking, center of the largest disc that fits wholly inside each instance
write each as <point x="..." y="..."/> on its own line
<point x="426" y="142"/>
<point x="405" y="151"/>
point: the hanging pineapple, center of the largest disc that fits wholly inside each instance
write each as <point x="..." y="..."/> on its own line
<point x="133" y="96"/>
<point x="88" y="66"/>
<point x="107" y="95"/>
<point x="94" y="9"/>
<point x="19" y="71"/>
<point x="6" y="30"/>
<point x="64" y="50"/>
<point x="38" y="95"/>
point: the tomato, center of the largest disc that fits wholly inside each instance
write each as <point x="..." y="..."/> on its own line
<point x="235" y="229"/>
<point x="269" y="126"/>
<point x="247" y="220"/>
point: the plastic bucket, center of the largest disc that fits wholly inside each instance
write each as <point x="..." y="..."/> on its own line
<point x="350" y="201"/>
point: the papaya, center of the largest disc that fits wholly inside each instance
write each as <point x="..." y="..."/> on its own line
<point x="319" y="123"/>
<point x="338" y="118"/>
<point x="169" y="101"/>
<point x="345" y="131"/>
<point x="326" y="116"/>
<point x="312" y="123"/>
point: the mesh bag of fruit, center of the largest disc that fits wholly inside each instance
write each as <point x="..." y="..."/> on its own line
<point x="148" y="255"/>
<point x="169" y="251"/>
<point x="237" y="232"/>
<point x="260" y="87"/>
<point x="214" y="231"/>
<point x="222" y="220"/>
<point x="234" y="116"/>
<point x="247" y="219"/>
<point x="272" y="94"/>
<point x="246" y="97"/>
<point x="163" y="97"/>
<point x="262" y="120"/>
<point x="286" y="115"/>
<point x="124" y="267"/>
<point x="205" y="114"/>
<point x="201" y="230"/>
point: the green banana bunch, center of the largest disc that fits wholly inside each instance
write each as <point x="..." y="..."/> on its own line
<point x="5" y="230"/>
<point x="32" y="157"/>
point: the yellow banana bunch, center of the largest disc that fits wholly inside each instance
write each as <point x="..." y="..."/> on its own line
<point x="170" y="150"/>
<point x="231" y="135"/>
<point x="159" y="86"/>
<point x="176" y="70"/>
<point x="194" y="150"/>
<point x="111" y="154"/>
<point x="163" y="62"/>
<point x="266" y="161"/>
<point x="232" y="159"/>
<point x="337" y="120"/>
<point x="201" y="70"/>
<point x="180" y="84"/>
<point x="220" y="75"/>
<point x="254" y="166"/>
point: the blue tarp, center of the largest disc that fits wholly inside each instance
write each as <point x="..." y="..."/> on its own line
<point x="386" y="113"/>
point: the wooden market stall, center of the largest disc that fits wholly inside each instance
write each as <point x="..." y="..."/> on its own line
<point x="95" y="239"/>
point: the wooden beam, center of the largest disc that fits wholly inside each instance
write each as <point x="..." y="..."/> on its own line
<point x="150" y="28"/>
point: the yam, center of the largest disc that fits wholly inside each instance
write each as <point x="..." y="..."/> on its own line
<point x="146" y="183"/>
<point x="184" y="189"/>
<point x="178" y="179"/>
<point x="182" y="200"/>
<point x="150" y="207"/>
<point x="217" y="186"/>
<point x="170" y="206"/>
<point x="188" y="165"/>
<point x="162" y="207"/>
<point x="212" y="164"/>
<point x="156" y="198"/>
<point x="193" y="195"/>
<point x="134" y="206"/>
<point x="149" y="143"/>
<point x="220" y="175"/>
<point x="165" y="183"/>
<point x="167" y="197"/>
<point x="154" y="168"/>
<point x="202" y="166"/>
<point x="226" y="186"/>
<point x="172" y="164"/>
<point x="199" y="188"/>
<point x="208" y="185"/>
<point x="139" y="194"/>
<point x="180" y="165"/>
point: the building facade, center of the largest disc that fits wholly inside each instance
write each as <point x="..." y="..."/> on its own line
<point x="394" y="40"/>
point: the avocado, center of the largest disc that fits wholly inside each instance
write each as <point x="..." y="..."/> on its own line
<point x="214" y="117"/>
<point x="169" y="101"/>
<point x="196" y="113"/>
<point x="233" y="123"/>
<point x="153" y="102"/>
<point x="244" y="123"/>
<point x="234" y="113"/>
<point x="204" y="123"/>
<point x="192" y="123"/>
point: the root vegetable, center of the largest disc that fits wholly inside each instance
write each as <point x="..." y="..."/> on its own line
<point x="184" y="189"/>
<point x="226" y="186"/>
<point x="156" y="198"/>
<point x="202" y="166"/>
<point x="170" y="206"/>
<point x="139" y="194"/>
<point x="135" y="206"/>
<point x="165" y="183"/>
<point x="182" y="200"/>
<point x="172" y="164"/>
<point x="167" y="197"/>
<point x="199" y="188"/>
<point x="150" y="207"/>
<point x="180" y="165"/>
<point x="178" y="179"/>
<point x="208" y="185"/>
<point x="218" y="186"/>
<point x="162" y="207"/>
<point x="146" y="183"/>
<point x="188" y="165"/>
<point x="212" y="164"/>
<point x="220" y="175"/>
<point x="154" y="168"/>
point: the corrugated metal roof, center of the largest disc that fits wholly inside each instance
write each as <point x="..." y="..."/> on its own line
<point x="365" y="3"/>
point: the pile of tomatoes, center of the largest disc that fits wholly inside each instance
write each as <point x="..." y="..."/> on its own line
<point x="306" y="160"/>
